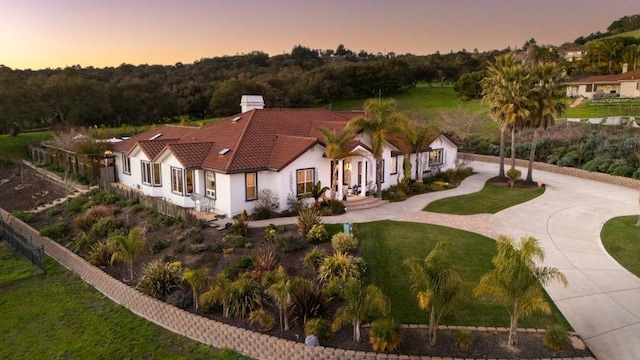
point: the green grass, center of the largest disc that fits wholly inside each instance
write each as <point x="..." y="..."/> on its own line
<point x="587" y="110"/>
<point x="632" y="33"/>
<point x="385" y="245"/>
<point x="491" y="199"/>
<point x="58" y="316"/>
<point x="15" y="147"/>
<point x="620" y="237"/>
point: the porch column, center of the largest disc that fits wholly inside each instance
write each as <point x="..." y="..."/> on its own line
<point x="340" y="179"/>
<point x="363" y="178"/>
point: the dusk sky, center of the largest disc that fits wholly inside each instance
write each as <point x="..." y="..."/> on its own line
<point x="38" y="34"/>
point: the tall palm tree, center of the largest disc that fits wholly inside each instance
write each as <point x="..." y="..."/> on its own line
<point x="505" y="89"/>
<point x="280" y="290"/>
<point x="547" y="101"/>
<point x="197" y="280"/>
<point x="381" y="121"/>
<point x="612" y="49"/>
<point x="335" y="142"/>
<point x="128" y="248"/>
<point x="435" y="284"/>
<point x="516" y="278"/>
<point x="360" y="302"/>
<point x="418" y="135"/>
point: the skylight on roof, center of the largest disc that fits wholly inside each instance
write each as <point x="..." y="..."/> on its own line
<point x="155" y="136"/>
<point x="235" y="119"/>
<point x="224" y="151"/>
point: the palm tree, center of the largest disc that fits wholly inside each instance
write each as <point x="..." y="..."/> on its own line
<point x="335" y="143"/>
<point x="547" y="101"/>
<point x="218" y="294"/>
<point x="611" y="48"/>
<point x="280" y="290"/>
<point x="197" y="280"/>
<point x="435" y="284"/>
<point x="516" y="278"/>
<point x="381" y="121"/>
<point x="127" y="248"/>
<point x="418" y="136"/>
<point x="361" y="302"/>
<point x="505" y="89"/>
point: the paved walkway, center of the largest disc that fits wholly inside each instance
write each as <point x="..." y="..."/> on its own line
<point x="602" y="301"/>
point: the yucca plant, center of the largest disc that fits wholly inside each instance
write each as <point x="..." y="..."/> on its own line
<point x="339" y="266"/>
<point x="244" y="296"/>
<point x="240" y="224"/>
<point x="307" y="300"/>
<point x="557" y="338"/>
<point x="264" y="262"/>
<point x="100" y="253"/>
<point x="307" y="219"/>
<point x="314" y="258"/>
<point x="160" y="279"/>
<point x="384" y="335"/>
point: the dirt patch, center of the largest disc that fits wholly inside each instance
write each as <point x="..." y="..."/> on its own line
<point x="22" y="188"/>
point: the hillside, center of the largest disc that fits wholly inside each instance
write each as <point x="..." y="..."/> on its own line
<point x="633" y="33"/>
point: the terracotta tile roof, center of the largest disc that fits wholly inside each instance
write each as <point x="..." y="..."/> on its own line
<point x="152" y="148"/>
<point x="287" y="148"/>
<point x="613" y="79"/>
<point x="167" y="132"/>
<point x="190" y="155"/>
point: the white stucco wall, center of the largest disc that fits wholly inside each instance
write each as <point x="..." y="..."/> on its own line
<point x="630" y="88"/>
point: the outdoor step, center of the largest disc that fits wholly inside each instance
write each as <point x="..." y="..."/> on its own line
<point x="361" y="203"/>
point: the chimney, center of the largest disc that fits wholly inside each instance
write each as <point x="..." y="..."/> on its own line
<point x="625" y="68"/>
<point x="250" y="102"/>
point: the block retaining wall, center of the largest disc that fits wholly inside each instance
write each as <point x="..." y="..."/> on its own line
<point x="196" y="327"/>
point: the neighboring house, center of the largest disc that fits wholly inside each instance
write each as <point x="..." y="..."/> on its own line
<point x="224" y="165"/>
<point x="626" y="84"/>
<point x="572" y="54"/>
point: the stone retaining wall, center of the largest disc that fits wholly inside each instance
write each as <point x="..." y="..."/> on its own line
<point x="196" y="327"/>
<point x="579" y="173"/>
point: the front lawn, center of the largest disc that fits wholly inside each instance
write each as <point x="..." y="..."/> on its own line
<point x="385" y="245"/>
<point x="58" y="316"/>
<point x="620" y="237"/>
<point x="491" y="199"/>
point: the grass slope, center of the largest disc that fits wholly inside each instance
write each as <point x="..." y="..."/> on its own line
<point x="620" y="237"/>
<point x="491" y="199"/>
<point x="387" y="244"/>
<point x="58" y="316"/>
<point x="15" y="147"/>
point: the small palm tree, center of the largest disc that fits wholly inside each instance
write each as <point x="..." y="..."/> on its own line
<point x="127" y="248"/>
<point x="197" y="280"/>
<point x="361" y="302"/>
<point x="335" y="143"/>
<point x="435" y="284"/>
<point x="280" y="290"/>
<point x="218" y="294"/>
<point x="515" y="280"/>
<point x="317" y="192"/>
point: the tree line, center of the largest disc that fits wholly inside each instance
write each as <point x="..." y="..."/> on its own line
<point x="211" y="87"/>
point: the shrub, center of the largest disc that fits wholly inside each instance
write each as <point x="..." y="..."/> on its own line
<point x="238" y="241"/>
<point x="56" y="231"/>
<point x="295" y="204"/>
<point x="100" y="253"/>
<point x="244" y="296"/>
<point x="217" y="248"/>
<point x="336" y="206"/>
<point x="261" y="213"/>
<point x="26" y="216"/>
<point x="307" y="219"/>
<point x="314" y="258"/>
<point x="137" y="208"/>
<point x="198" y="248"/>
<point x="513" y="175"/>
<point x="262" y="320"/>
<point x="384" y="335"/>
<point x="179" y="299"/>
<point x="194" y="236"/>
<point x="160" y="279"/>
<point x="159" y="245"/>
<point x="75" y="204"/>
<point x="264" y="262"/>
<point x="343" y="242"/>
<point x="179" y="249"/>
<point x="55" y="211"/>
<point x="308" y="300"/>
<point x="267" y="202"/>
<point x="557" y="338"/>
<point x="288" y="242"/>
<point x="317" y="234"/>
<point x="419" y="188"/>
<point x="106" y="197"/>
<point x="319" y="327"/>
<point x="339" y="266"/>
<point x="78" y="243"/>
<point x="105" y="226"/>
<point x="463" y="339"/>
<point x="271" y="231"/>
<point x="241" y="265"/>
<point x="240" y="224"/>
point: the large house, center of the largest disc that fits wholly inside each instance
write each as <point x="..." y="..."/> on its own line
<point x="224" y="165"/>
<point x="626" y="84"/>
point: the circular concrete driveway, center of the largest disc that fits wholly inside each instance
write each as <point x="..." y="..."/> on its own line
<point x="602" y="301"/>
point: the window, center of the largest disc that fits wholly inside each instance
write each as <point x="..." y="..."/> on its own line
<point x="304" y="182"/>
<point x="145" y="168"/>
<point x="176" y="180"/>
<point x="126" y="164"/>
<point x="210" y="184"/>
<point x="394" y="165"/>
<point x="157" y="179"/>
<point x="589" y="88"/>
<point x="189" y="182"/>
<point x="436" y="157"/>
<point x="251" y="185"/>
